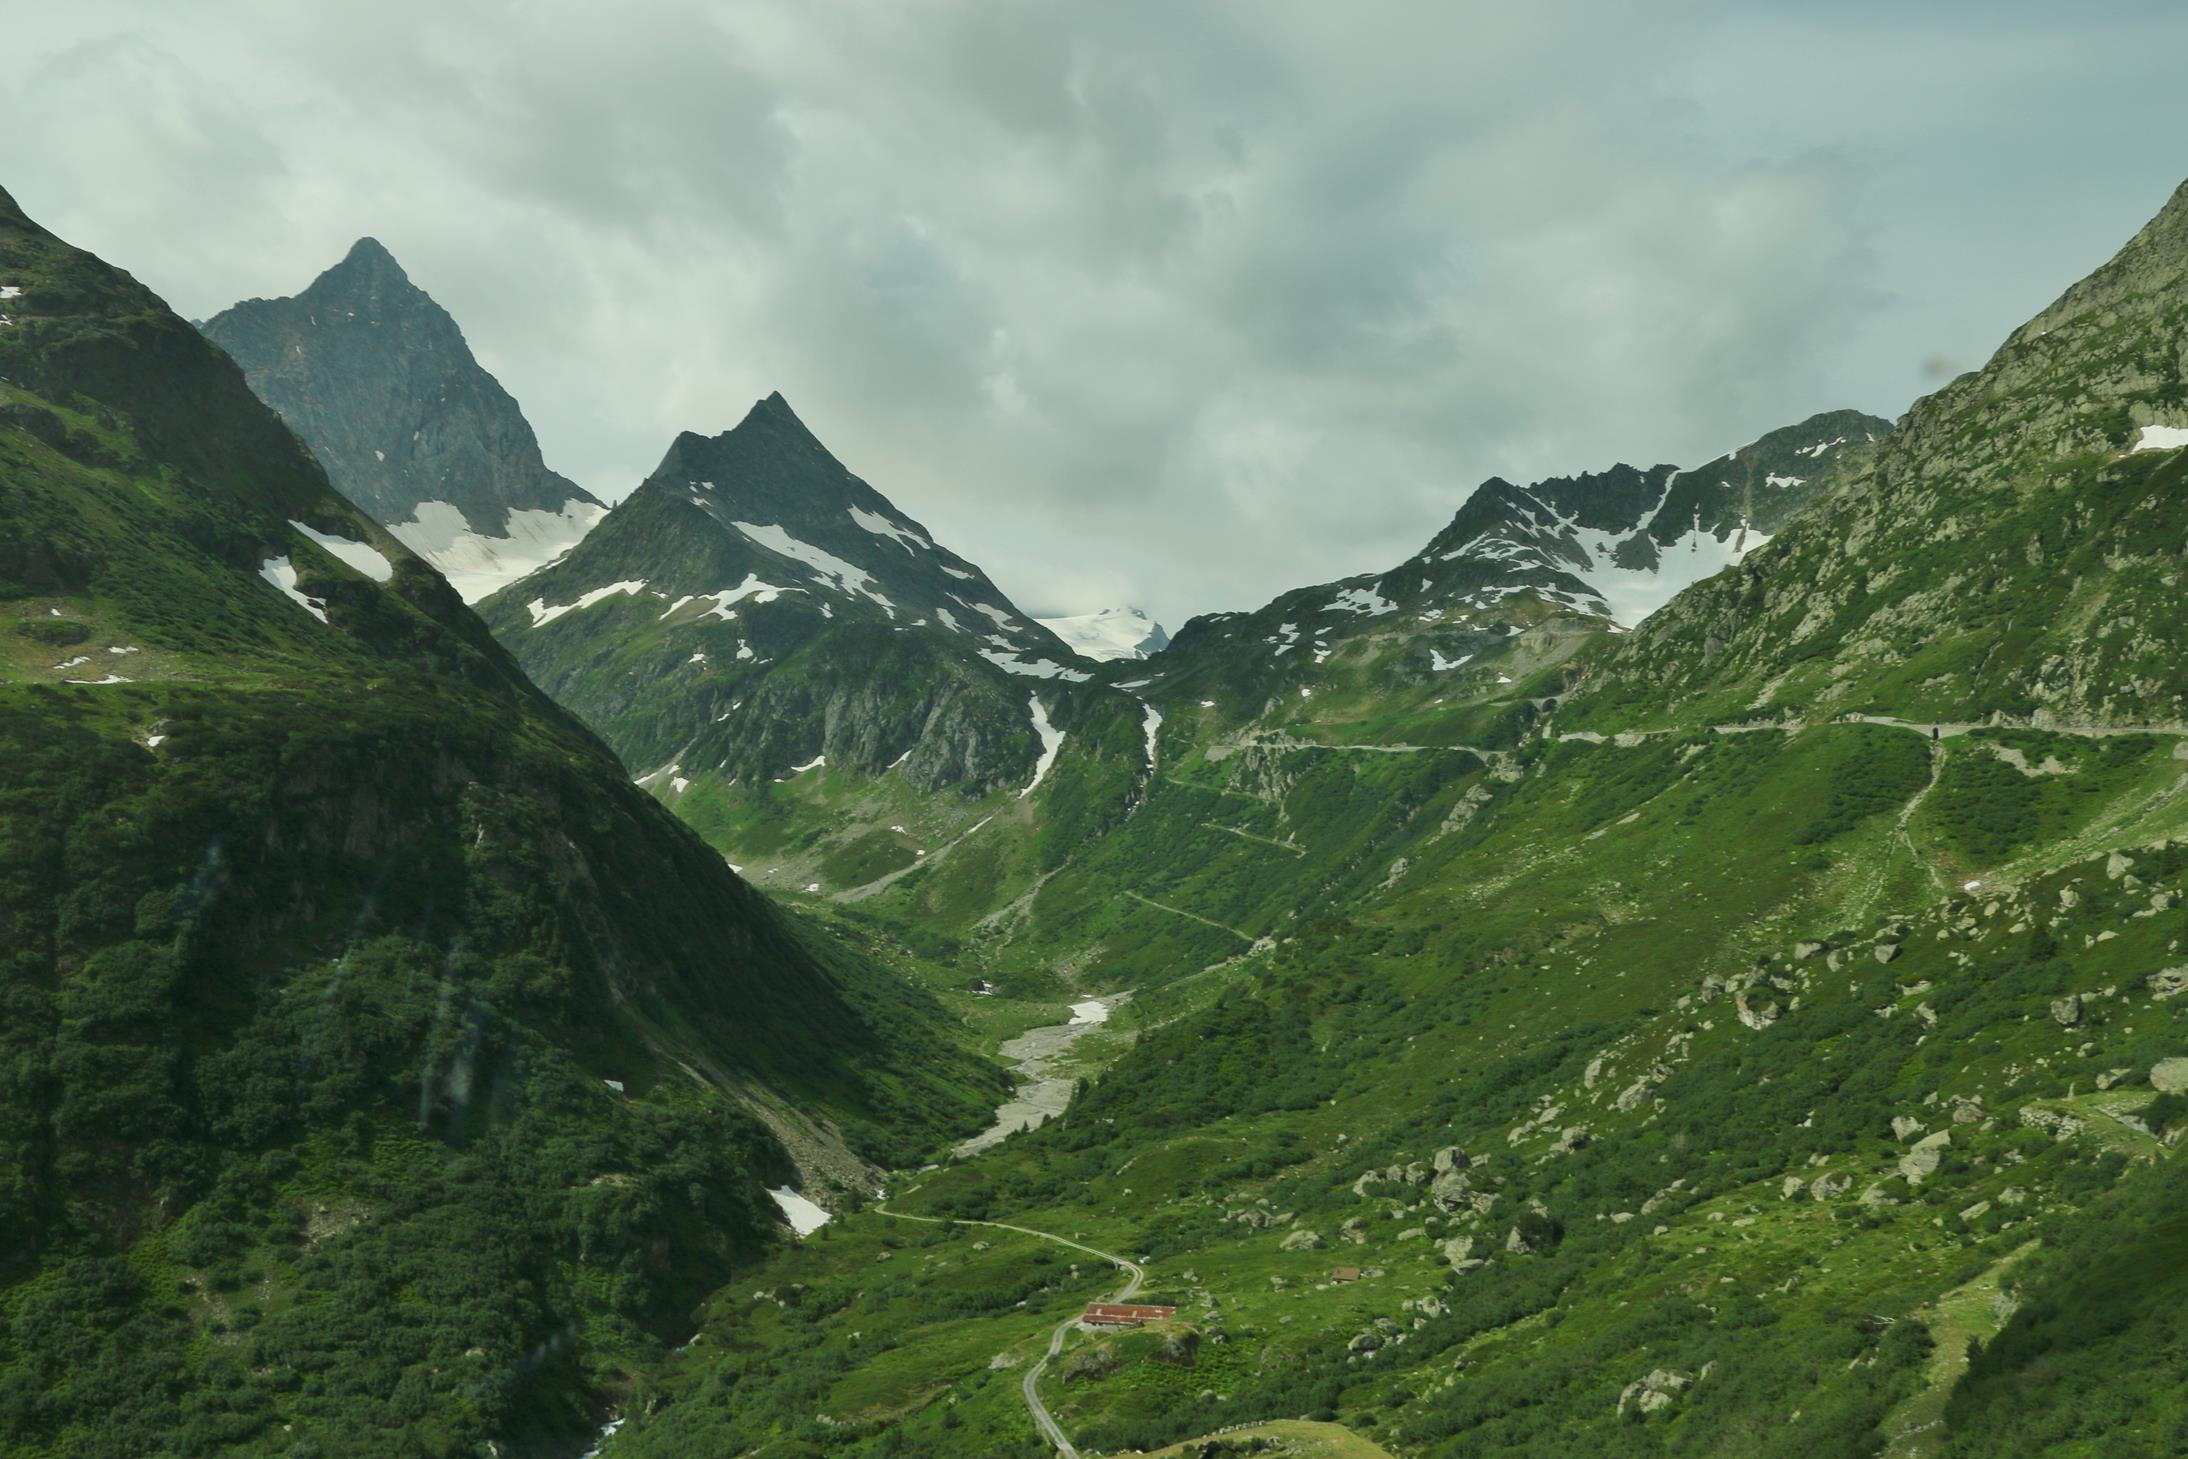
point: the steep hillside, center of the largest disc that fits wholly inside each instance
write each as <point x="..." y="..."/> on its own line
<point x="1762" y="1032"/>
<point x="381" y="1074"/>
<point x="378" y="380"/>
<point x="2013" y="551"/>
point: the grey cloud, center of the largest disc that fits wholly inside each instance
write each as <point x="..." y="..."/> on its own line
<point x="1178" y="305"/>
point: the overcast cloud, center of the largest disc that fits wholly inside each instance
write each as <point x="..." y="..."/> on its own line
<point x="1171" y="304"/>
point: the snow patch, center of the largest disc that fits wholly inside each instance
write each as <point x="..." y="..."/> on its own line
<point x="1052" y="740"/>
<point x="542" y="614"/>
<point x="752" y="588"/>
<point x="365" y="558"/>
<point x="1011" y="663"/>
<point x="881" y="526"/>
<point x="2162" y="438"/>
<point x="475" y="563"/>
<point x="1093" y="1011"/>
<point x="282" y="574"/>
<point x="1363" y="600"/>
<point x="1152" y="721"/>
<point x="847" y="576"/>
<point x="804" y="1217"/>
<point x="1440" y="664"/>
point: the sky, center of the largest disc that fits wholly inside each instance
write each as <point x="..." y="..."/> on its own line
<point x="1171" y="305"/>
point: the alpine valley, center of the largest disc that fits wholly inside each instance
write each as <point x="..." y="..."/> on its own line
<point x="1690" y="962"/>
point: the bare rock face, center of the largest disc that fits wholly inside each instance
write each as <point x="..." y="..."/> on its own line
<point x="378" y="380"/>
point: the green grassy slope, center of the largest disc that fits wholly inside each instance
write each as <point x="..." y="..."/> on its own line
<point x="1678" y="1054"/>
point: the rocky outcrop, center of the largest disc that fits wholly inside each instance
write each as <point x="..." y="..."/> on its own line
<point x="379" y="381"/>
<point x="1656" y="1391"/>
<point x="1924" y="1159"/>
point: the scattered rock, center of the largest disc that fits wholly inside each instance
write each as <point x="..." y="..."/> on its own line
<point x="1925" y="1157"/>
<point x="1755" y="1017"/>
<point x="1660" y="1389"/>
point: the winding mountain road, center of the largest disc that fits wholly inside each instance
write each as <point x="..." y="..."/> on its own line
<point x="1136" y="1276"/>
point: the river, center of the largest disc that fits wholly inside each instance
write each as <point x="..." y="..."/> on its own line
<point x="1034" y="1053"/>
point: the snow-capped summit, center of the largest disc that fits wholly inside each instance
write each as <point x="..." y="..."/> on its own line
<point x="1112" y="633"/>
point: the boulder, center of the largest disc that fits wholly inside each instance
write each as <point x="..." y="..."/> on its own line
<point x="2169" y="1076"/>
<point x="1976" y="1212"/>
<point x="2169" y="983"/>
<point x="2067" y="1011"/>
<point x="1660" y="1389"/>
<point x="1301" y="1240"/>
<point x="1753" y="1015"/>
<point x="1830" y="1187"/>
<point x="1925" y="1157"/>
<point x="1791" y="1187"/>
<point x="1450" y="1158"/>
<point x="1457" y="1250"/>
<point x="1451" y="1190"/>
<point x="2116" y="865"/>
<point x="1905" y="1127"/>
<point x="1875" y="1198"/>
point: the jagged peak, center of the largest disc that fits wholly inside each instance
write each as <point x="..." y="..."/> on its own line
<point x="773" y="410"/>
<point x="368" y="270"/>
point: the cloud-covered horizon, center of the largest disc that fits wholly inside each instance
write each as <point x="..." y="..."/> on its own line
<point x="1164" y="305"/>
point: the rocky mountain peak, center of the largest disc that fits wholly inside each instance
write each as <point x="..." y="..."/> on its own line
<point x="379" y="381"/>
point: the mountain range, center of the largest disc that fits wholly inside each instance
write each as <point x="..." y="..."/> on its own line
<point x="1690" y="962"/>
